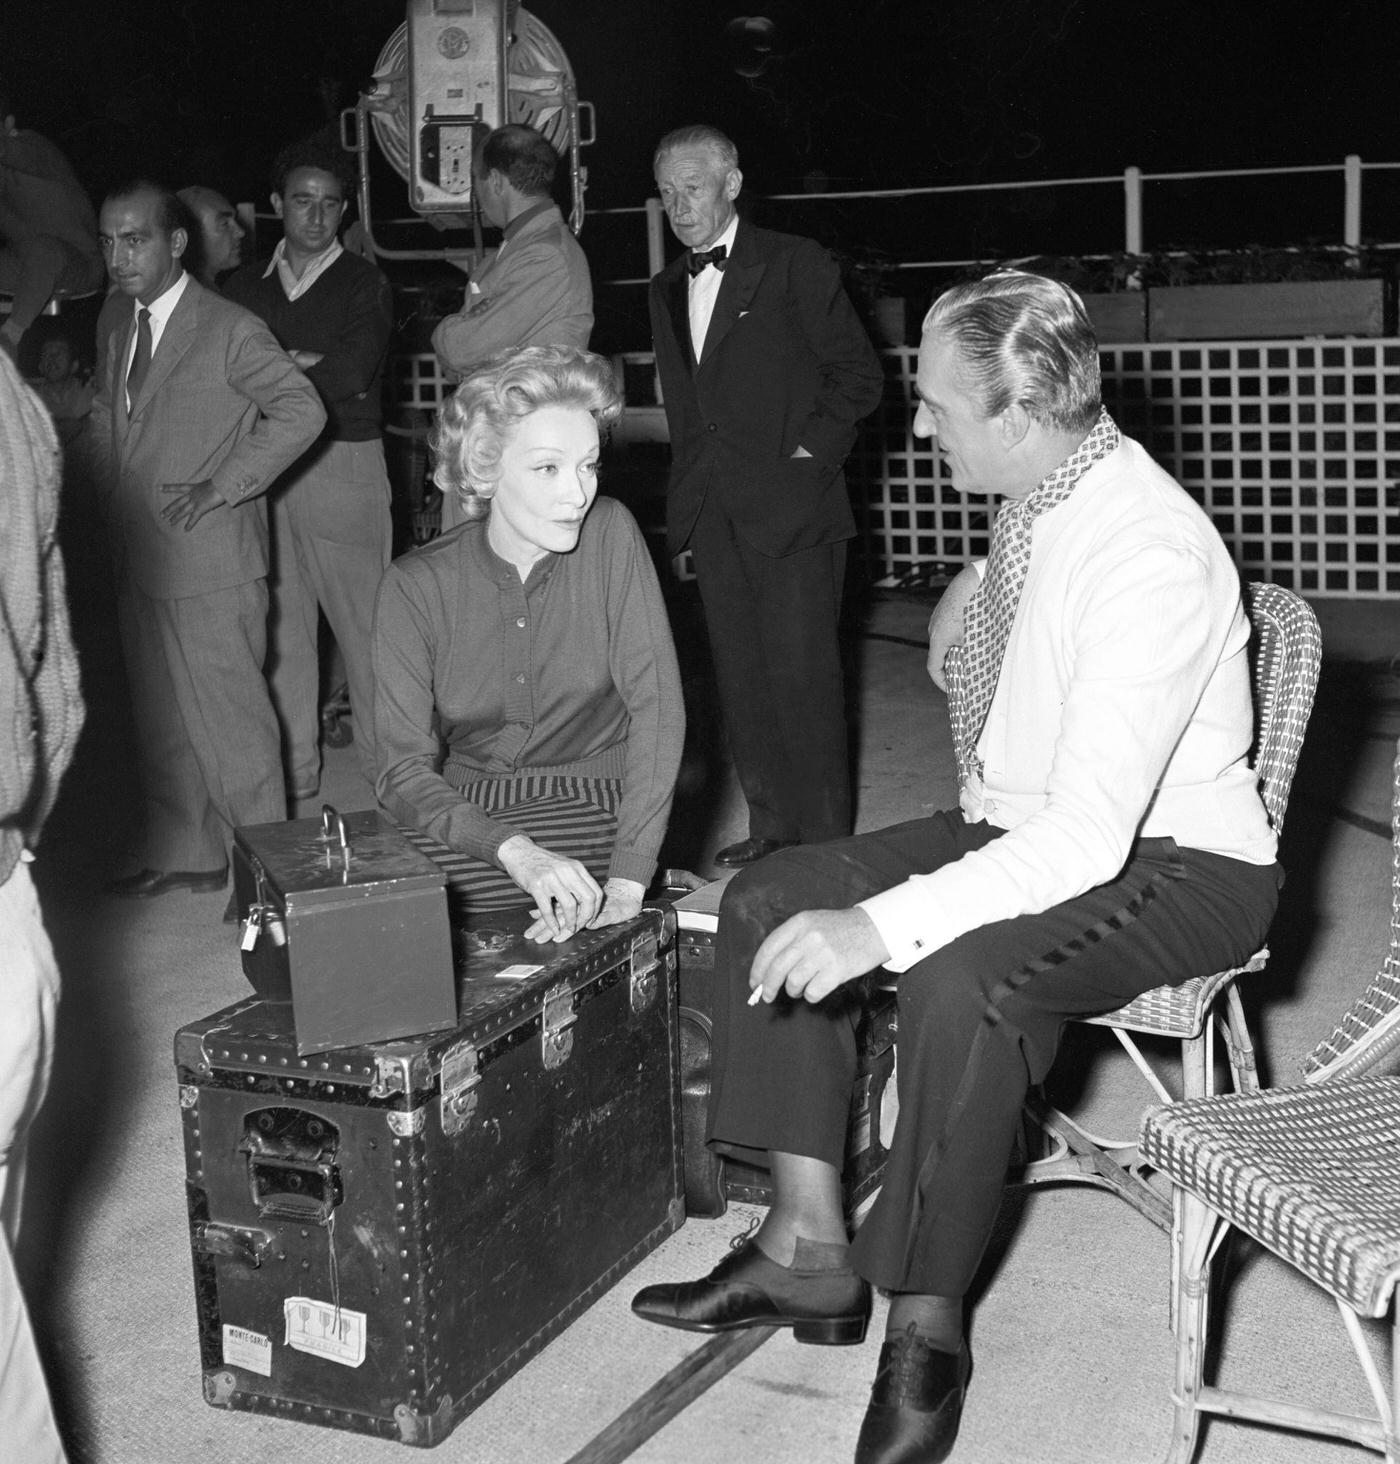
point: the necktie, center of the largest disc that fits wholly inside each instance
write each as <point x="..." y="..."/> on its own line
<point x="987" y="620"/>
<point x="698" y="259"/>
<point x="140" y="357"/>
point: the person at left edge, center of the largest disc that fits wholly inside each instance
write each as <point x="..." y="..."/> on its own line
<point x="332" y="311"/>
<point x="199" y="412"/>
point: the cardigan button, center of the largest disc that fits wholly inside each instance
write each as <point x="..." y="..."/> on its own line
<point x="521" y="622"/>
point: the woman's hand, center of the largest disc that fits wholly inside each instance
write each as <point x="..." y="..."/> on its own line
<point x="622" y="899"/>
<point x="566" y="896"/>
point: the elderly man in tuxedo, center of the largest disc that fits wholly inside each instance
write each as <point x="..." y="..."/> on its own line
<point x="199" y="411"/>
<point x="765" y="370"/>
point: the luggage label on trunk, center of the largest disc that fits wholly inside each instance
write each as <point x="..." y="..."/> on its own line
<point x="325" y="1330"/>
<point x="247" y="1349"/>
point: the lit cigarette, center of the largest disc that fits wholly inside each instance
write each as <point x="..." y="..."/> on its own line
<point x="756" y="996"/>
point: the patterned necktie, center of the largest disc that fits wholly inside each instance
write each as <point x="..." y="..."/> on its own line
<point x="140" y="357"/>
<point x="698" y="259"/>
<point x="990" y="612"/>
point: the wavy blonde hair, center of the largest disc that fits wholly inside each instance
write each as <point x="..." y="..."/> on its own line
<point x="496" y="396"/>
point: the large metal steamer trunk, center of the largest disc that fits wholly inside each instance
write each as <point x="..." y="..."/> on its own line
<point x="383" y="1234"/>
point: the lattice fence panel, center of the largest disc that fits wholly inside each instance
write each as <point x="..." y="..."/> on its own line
<point x="1292" y="447"/>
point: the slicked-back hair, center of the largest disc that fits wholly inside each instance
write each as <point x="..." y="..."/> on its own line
<point x="314" y="152"/>
<point x="496" y="396"/>
<point x="1025" y="340"/>
<point x="699" y="134"/>
<point x="170" y="214"/>
<point x="525" y="157"/>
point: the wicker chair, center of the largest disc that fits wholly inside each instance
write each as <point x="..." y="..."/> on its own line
<point x="1310" y="1172"/>
<point x="1287" y="655"/>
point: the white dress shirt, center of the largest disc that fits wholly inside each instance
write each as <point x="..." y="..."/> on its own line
<point x="293" y="287"/>
<point x="704" y="288"/>
<point x="161" y="309"/>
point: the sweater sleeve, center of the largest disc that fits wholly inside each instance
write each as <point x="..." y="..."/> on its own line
<point x="642" y="658"/>
<point x="349" y="369"/>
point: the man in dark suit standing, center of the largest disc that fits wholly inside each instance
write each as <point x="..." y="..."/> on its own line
<point x="199" y="412"/>
<point x="765" y="370"/>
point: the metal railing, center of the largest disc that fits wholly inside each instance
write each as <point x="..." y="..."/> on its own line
<point x="1132" y="181"/>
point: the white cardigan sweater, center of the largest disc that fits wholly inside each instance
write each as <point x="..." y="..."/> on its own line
<point x="1123" y="708"/>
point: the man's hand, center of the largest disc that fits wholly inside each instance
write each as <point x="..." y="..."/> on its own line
<point x="813" y="953"/>
<point x="195" y="500"/>
<point x="622" y="899"/>
<point x="945" y="626"/>
<point x="566" y="896"/>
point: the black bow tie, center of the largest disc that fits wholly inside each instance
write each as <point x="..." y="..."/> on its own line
<point x="699" y="258"/>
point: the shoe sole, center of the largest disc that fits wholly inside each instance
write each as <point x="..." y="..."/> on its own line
<point x="814" y="1331"/>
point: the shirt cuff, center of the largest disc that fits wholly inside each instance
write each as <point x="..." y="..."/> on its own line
<point x="906" y="922"/>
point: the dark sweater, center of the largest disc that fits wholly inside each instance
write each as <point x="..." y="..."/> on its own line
<point x="346" y="316"/>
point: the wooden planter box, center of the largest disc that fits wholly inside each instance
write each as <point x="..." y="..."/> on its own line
<point x="1263" y="312"/>
<point x="1119" y="318"/>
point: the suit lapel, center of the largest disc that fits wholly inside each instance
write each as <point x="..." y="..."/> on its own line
<point x="738" y="283"/>
<point x="177" y="337"/>
<point x="678" y="298"/>
<point x="116" y="374"/>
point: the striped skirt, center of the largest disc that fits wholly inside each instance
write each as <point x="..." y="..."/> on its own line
<point x="575" y="817"/>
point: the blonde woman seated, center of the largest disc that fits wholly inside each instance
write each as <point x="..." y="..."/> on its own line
<point x="527" y="704"/>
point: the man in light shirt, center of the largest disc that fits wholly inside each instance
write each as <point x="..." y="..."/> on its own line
<point x="1111" y="839"/>
<point x="198" y="413"/>
<point x="332" y="311"/>
<point x="535" y="290"/>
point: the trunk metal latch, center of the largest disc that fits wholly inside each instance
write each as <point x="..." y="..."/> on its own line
<point x="460" y="1079"/>
<point x="646" y="970"/>
<point x="556" y="1025"/>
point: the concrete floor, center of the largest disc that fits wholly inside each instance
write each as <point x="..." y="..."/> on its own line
<point x="1073" y="1358"/>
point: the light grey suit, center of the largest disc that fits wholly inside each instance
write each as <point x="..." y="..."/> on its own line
<point x="221" y="402"/>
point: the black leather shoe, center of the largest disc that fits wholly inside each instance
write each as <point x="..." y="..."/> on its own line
<point x="915" y="1405"/>
<point x="827" y="1308"/>
<point x="747" y="850"/>
<point x="146" y="884"/>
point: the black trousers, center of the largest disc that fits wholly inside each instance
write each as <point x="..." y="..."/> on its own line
<point x="772" y="625"/>
<point x="979" y="1021"/>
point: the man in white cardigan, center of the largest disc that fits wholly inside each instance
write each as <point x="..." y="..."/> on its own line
<point x="1110" y="840"/>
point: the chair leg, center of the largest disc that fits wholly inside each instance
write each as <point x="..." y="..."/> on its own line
<point x="1193" y="1230"/>
<point x="1392" y="1433"/>
<point x="1241" y="1046"/>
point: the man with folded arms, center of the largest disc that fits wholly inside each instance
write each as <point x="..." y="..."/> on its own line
<point x="1111" y="839"/>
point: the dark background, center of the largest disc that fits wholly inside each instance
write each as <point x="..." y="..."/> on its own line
<point x="861" y="94"/>
<point x="846" y="95"/>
